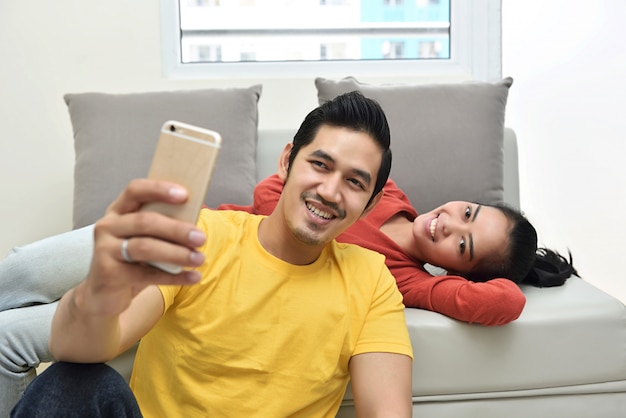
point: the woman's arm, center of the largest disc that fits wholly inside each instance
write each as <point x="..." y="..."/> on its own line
<point x="496" y="302"/>
<point x="266" y="195"/>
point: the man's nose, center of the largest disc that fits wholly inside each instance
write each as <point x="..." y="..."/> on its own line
<point x="330" y="188"/>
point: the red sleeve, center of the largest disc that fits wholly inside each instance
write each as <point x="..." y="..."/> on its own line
<point x="495" y="302"/>
<point x="266" y="195"/>
<point x="393" y="202"/>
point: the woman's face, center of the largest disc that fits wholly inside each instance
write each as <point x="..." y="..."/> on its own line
<point x="457" y="235"/>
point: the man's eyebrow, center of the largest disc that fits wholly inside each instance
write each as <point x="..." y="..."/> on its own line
<point x="364" y="175"/>
<point x="323" y="155"/>
<point x="471" y="237"/>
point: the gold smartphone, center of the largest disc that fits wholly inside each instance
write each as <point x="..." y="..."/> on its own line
<point x="186" y="155"/>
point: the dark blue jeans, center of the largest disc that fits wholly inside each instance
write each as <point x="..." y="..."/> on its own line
<point x="77" y="390"/>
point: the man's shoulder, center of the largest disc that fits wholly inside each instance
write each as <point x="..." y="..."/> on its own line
<point x="227" y="225"/>
<point x="226" y="216"/>
<point x="353" y="252"/>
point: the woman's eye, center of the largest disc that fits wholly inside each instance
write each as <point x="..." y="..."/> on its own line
<point x="468" y="212"/>
<point x="462" y="246"/>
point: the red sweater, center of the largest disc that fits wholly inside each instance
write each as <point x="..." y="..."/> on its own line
<point x="496" y="302"/>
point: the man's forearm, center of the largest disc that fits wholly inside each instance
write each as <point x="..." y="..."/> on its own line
<point x="80" y="334"/>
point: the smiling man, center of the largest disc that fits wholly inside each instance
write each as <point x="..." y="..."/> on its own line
<point x="328" y="185"/>
<point x="273" y="317"/>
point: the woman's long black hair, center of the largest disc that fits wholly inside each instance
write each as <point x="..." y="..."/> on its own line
<point x="522" y="261"/>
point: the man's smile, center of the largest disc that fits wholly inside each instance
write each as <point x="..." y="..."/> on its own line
<point x="319" y="212"/>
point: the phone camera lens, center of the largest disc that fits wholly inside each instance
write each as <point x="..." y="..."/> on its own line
<point x="172" y="128"/>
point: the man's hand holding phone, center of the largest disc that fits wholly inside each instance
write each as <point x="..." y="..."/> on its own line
<point x="185" y="155"/>
<point x="135" y="237"/>
<point x="152" y="222"/>
<point x="118" y="302"/>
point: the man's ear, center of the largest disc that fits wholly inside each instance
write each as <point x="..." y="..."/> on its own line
<point x="373" y="203"/>
<point x="283" y="162"/>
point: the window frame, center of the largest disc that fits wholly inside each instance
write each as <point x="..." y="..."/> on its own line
<point x="475" y="52"/>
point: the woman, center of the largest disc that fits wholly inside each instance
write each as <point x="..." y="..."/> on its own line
<point x="486" y="250"/>
<point x="461" y="237"/>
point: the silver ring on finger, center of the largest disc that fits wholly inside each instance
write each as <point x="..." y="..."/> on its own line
<point x="124" y="250"/>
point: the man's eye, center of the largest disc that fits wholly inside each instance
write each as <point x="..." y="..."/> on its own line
<point x="318" y="164"/>
<point x="462" y="246"/>
<point x="357" y="183"/>
<point x="468" y="212"/>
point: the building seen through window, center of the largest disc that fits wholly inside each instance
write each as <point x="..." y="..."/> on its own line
<point x="313" y="30"/>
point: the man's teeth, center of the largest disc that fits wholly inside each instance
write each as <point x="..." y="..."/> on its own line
<point x="318" y="212"/>
<point x="433" y="226"/>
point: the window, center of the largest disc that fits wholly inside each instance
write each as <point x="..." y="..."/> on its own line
<point x="282" y="38"/>
<point x="287" y="30"/>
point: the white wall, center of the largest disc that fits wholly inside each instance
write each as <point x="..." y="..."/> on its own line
<point x="48" y="49"/>
<point x="567" y="107"/>
<point x="565" y="63"/>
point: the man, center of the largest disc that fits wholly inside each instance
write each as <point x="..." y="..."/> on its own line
<point x="276" y="317"/>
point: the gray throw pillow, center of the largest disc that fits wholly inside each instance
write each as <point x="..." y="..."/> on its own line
<point x="446" y="139"/>
<point x="115" y="136"/>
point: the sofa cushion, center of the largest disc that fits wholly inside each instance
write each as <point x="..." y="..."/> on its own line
<point x="446" y="138"/>
<point x="115" y="136"/>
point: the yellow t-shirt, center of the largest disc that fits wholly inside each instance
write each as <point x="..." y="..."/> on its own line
<point x="261" y="337"/>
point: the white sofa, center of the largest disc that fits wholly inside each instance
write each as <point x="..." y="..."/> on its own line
<point x="564" y="357"/>
<point x="566" y="354"/>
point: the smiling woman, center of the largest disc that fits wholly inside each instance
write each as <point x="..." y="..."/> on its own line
<point x="458" y="236"/>
<point x="483" y="290"/>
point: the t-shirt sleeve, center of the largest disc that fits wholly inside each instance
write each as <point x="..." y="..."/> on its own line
<point x="384" y="329"/>
<point x="168" y="292"/>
